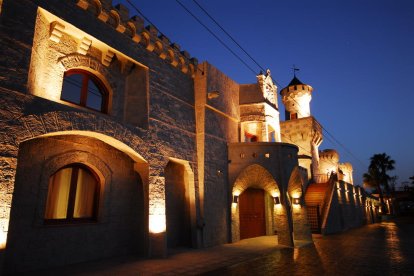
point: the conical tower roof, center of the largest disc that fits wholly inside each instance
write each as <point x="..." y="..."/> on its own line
<point x="295" y="81"/>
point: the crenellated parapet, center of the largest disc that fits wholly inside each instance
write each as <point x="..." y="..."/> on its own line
<point x="345" y="172"/>
<point x="147" y="36"/>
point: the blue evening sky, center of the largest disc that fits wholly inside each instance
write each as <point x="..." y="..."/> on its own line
<point x="358" y="55"/>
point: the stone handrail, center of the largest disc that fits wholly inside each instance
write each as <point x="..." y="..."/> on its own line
<point x="327" y="200"/>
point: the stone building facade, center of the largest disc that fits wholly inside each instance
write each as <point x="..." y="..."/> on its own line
<point x="332" y="201"/>
<point x="114" y="141"/>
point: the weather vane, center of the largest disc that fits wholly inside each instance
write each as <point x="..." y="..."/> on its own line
<point x="294" y="68"/>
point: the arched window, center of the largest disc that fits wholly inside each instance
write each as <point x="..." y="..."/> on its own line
<point x="73" y="195"/>
<point x="85" y="89"/>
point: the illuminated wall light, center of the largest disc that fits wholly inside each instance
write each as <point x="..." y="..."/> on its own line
<point x="235" y="199"/>
<point x="213" y="95"/>
<point x="296" y="201"/>
<point x="276" y="200"/>
<point x="157" y="223"/>
<point x="3" y="240"/>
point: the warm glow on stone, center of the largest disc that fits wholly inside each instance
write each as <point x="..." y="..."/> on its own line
<point x="3" y="240"/>
<point x="157" y="223"/>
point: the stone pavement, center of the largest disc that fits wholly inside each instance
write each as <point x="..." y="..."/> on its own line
<point x="188" y="262"/>
<point x="385" y="248"/>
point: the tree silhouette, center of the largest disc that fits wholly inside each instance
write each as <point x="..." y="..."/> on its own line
<point x="377" y="176"/>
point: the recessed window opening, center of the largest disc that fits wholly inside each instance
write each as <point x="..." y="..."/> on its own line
<point x="85" y="89"/>
<point x="73" y="195"/>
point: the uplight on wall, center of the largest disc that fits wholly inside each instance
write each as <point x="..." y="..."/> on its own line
<point x="276" y="200"/>
<point x="296" y="201"/>
<point x="235" y="199"/>
<point x="157" y="223"/>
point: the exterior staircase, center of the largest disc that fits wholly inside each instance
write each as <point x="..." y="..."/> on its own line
<point x="314" y="200"/>
<point x="315" y="194"/>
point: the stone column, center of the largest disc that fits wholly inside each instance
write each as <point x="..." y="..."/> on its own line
<point x="283" y="225"/>
<point x="301" y="228"/>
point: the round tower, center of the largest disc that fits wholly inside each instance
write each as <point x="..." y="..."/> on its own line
<point x="328" y="164"/>
<point x="296" y="97"/>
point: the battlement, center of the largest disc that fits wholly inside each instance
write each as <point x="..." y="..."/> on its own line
<point x="329" y="154"/>
<point x="134" y="27"/>
<point x="300" y="89"/>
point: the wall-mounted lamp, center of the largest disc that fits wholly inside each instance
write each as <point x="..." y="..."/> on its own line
<point x="276" y="199"/>
<point x="296" y="201"/>
<point x="235" y="199"/>
<point x="213" y="94"/>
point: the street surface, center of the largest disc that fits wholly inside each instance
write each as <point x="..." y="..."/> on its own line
<point x="385" y="248"/>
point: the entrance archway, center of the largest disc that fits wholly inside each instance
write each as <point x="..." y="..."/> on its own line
<point x="256" y="184"/>
<point x="252" y="213"/>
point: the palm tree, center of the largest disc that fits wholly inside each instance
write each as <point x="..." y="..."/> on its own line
<point x="377" y="175"/>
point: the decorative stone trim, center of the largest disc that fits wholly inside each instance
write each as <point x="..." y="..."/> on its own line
<point x="83" y="4"/>
<point x="84" y="46"/>
<point x="149" y="37"/>
<point x="107" y="58"/>
<point x="56" y="31"/>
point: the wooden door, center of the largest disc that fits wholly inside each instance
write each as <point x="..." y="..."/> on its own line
<point x="252" y="213"/>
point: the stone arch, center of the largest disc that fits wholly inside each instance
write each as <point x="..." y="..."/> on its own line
<point x="90" y="160"/>
<point x="91" y="64"/>
<point x="296" y="183"/>
<point x="141" y="165"/>
<point x="104" y="138"/>
<point x="87" y="124"/>
<point x="94" y="66"/>
<point x="256" y="176"/>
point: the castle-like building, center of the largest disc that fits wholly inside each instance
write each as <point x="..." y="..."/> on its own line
<point x="114" y="141"/>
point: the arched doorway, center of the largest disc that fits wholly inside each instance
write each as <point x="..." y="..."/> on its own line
<point x="252" y="213"/>
<point x="178" y="205"/>
<point x="258" y="207"/>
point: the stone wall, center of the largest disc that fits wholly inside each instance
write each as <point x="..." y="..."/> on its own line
<point x="218" y="125"/>
<point x="151" y="123"/>
<point x="348" y="208"/>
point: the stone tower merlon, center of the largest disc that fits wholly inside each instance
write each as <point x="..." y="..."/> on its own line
<point x="328" y="164"/>
<point x="345" y="172"/>
<point x="259" y="113"/>
<point x="296" y="98"/>
<point x="148" y="37"/>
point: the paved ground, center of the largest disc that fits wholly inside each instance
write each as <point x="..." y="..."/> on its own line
<point x="385" y="248"/>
